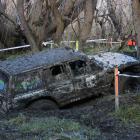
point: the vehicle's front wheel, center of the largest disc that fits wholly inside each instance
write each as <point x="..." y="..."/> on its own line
<point x="43" y="104"/>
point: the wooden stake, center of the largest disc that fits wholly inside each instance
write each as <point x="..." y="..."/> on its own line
<point x="138" y="46"/>
<point x="116" y="88"/>
<point x="77" y="45"/>
<point x="111" y="43"/>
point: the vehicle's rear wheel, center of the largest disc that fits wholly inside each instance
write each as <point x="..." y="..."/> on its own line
<point x="43" y="104"/>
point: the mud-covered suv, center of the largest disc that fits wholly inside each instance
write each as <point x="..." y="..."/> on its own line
<point x="54" y="78"/>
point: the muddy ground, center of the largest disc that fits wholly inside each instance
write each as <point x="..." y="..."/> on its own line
<point x="94" y="113"/>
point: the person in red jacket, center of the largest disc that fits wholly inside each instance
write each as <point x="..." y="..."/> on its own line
<point x="131" y="43"/>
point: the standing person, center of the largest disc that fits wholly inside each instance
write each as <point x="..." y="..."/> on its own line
<point x="132" y="44"/>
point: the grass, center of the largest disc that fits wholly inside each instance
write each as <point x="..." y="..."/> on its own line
<point x="94" y="49"/>
<point x="13" y="54"/>
<point x="129" y="114"/>
<point x="138" y="100"/>
<point x="52" y="127"/>
<point x="127" y="49"/>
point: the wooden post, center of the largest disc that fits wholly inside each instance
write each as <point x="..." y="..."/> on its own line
<point x="51" y="45"/>
<point x="111" y="42"/>
<point x="77" y="45"/>
<point x="138" y="46"/>
<point x="116" y="88"/>
<point x="71" y="44"/>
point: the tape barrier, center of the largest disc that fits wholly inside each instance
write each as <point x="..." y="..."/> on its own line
<point x="127" y="75"/>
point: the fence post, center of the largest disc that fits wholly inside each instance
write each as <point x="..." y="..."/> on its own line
<point x="71" y="45"/>
<point x="77" y="45"/>
<point x="116" y="88"/>
<point x="111" y="43"/>
<point x="138" y="46"/>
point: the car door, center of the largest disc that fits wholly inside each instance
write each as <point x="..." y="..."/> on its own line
<point x="85" y="74"/>
<point x="58" y="81"/>
<point x="82" y="75"/>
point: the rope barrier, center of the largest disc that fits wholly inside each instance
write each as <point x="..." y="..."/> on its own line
<point x="127" y="75"/>
<point x="14" y="48"/>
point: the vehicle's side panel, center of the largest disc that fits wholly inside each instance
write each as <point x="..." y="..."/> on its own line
<point x="58" y="82"/>
<point x="27" y="83"/>
<point x="4" y="81"/>
<point x="83" y="75"/>
<point x="4" y="91"/>
<point x="87" y="77"/>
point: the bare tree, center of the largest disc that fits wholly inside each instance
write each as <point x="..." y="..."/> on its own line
<point x="112" y="14"/>
<point x="49" y="18"/>
<point x="136" y="15"/>
<point x="89" y="9"/>
<point x="136" y="11"/>
<point x="8" y="28"/>
<point x="27" y="30"/>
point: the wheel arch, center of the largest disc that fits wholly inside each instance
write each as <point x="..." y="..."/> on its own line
<point x="42" y="98"/>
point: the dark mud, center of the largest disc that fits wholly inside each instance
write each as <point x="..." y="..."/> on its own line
<point x="94" y="113"/>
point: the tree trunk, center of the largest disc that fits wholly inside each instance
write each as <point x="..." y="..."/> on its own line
<point x="88" y="20"/>
<point x="58" y="21"/>
<point x="114" y="18"/>
<point x="136" y="15"/>
<point x="7" y="28"/>
<point x="27" y="31"/>
<point x="136" y="12"/>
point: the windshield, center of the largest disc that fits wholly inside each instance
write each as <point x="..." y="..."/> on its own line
<point x="3" y="82"/>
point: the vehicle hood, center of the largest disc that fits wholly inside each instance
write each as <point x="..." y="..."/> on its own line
<point x="109" y="60"/>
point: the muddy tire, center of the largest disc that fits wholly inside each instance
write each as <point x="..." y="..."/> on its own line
<point x="43" y="104"/>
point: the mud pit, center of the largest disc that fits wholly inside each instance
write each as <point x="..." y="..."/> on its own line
<point x="94" y="113"/>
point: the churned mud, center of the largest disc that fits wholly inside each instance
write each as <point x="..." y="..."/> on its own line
<point x="94" y="114"/>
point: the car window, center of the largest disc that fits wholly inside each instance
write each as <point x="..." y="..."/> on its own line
<point x="58" y="72"/>
<point x="28" y="82"/>
<point x="3" y="82"/>
<point x="78" y="67"/>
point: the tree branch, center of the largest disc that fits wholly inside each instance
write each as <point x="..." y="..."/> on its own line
<point x="7" y="17"/>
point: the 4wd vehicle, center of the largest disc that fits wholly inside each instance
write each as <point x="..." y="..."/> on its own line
<point x="57" y="77"/>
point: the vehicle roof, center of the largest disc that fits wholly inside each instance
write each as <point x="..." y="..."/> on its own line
<point x="40" y="59"/>
<point x="109" y="60"/>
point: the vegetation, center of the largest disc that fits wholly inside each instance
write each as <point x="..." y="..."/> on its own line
<point x="129" y="112"/>
<point x="53" y="128"/>
<point x="30" y="21"/>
